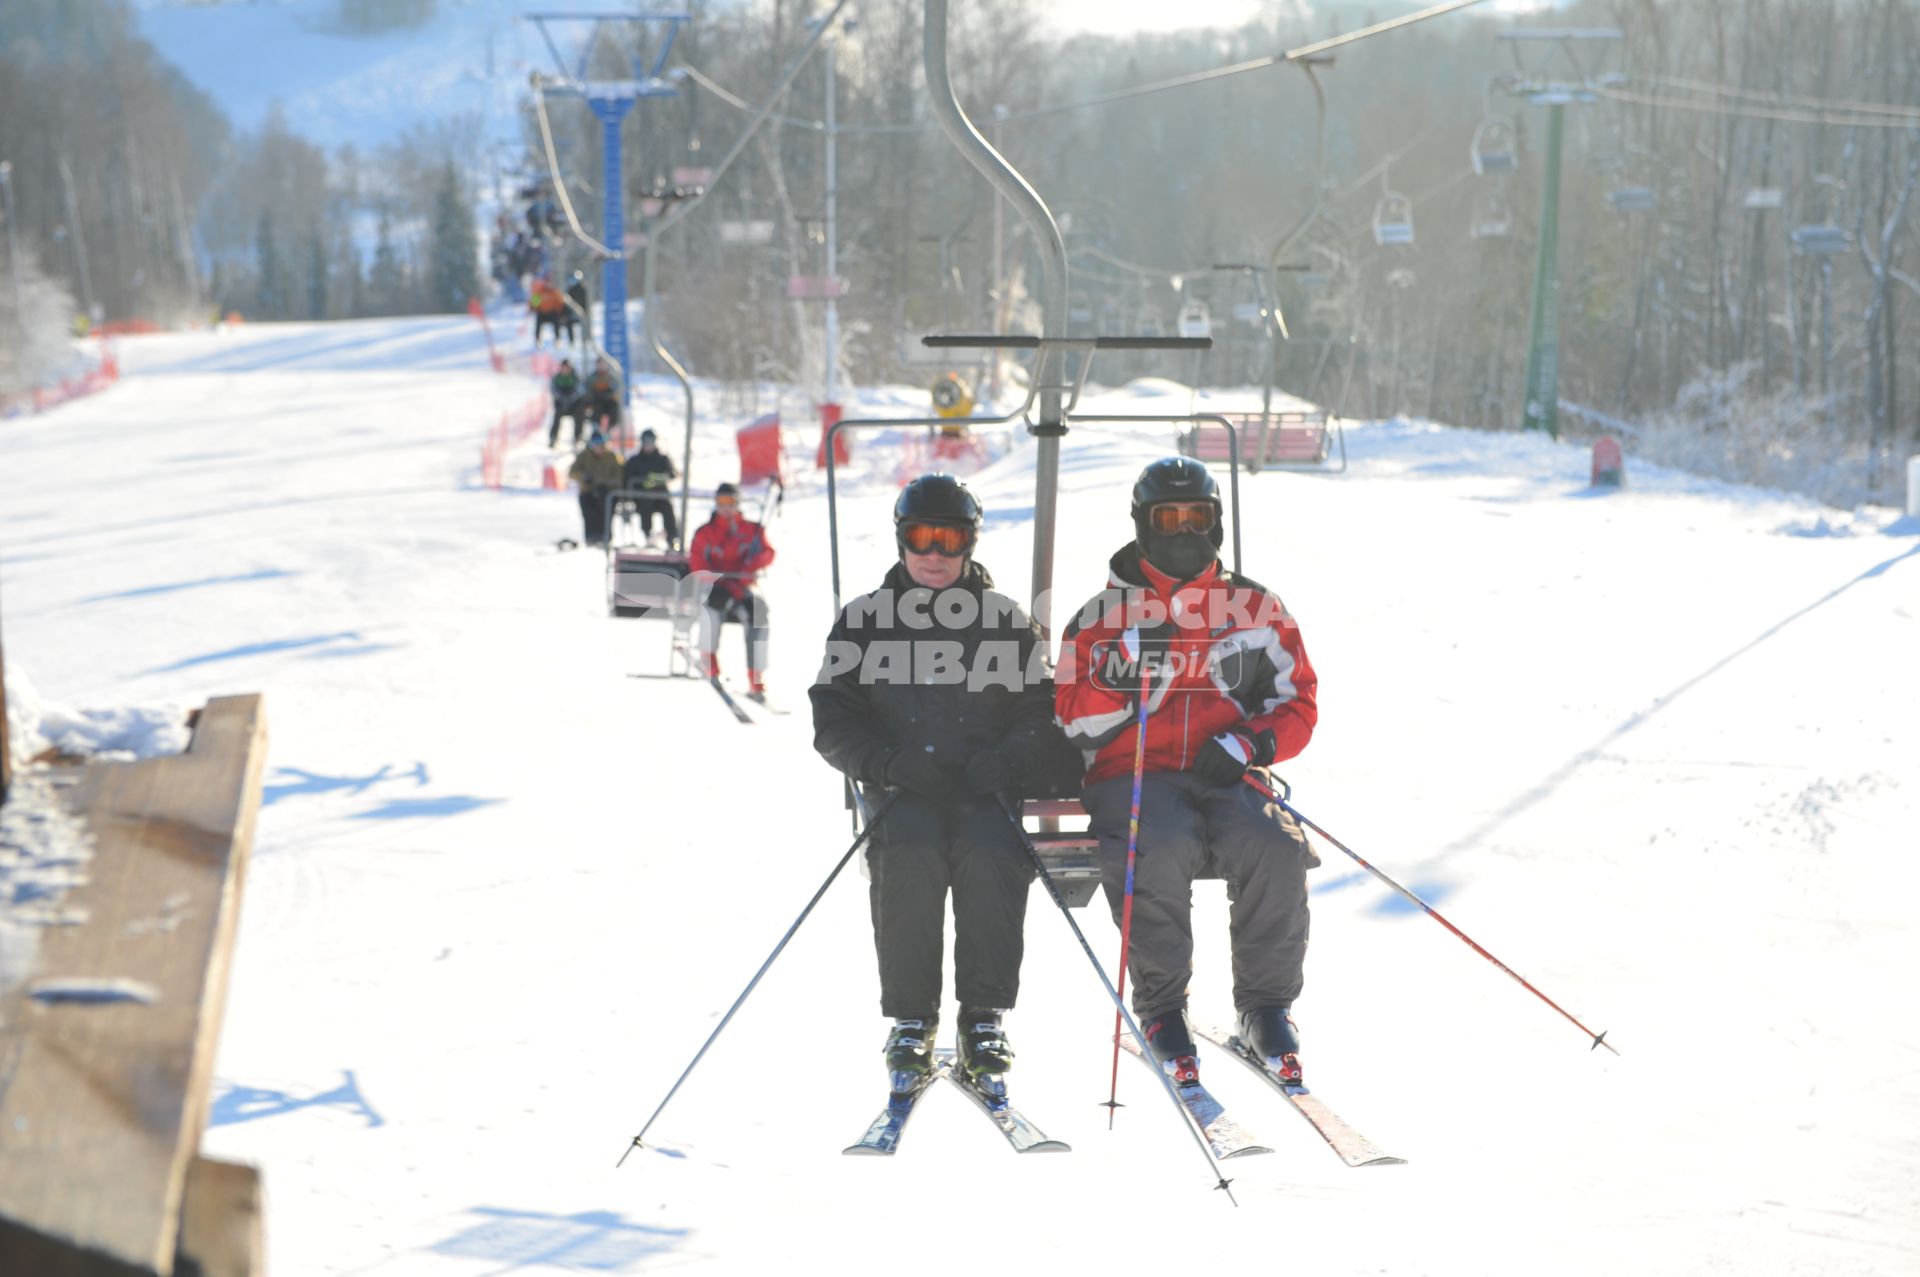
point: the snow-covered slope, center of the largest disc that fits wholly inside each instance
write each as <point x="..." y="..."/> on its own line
<point x="1654" y="749"/>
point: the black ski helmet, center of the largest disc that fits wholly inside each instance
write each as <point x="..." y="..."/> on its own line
<point x="726" y="490"/>
<point x="1182" y="555"/>
<point x="936" y="498"/>
<point x="647" y="436"/>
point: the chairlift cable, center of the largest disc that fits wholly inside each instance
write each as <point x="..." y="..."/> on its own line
<point x="1758" y="112"/>
<point x="680" y="210"/>
<point x="1784" y="99"/>
<point x="1118" y="95"/>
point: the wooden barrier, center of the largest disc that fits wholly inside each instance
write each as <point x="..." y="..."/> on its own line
<point x="107" y="1049"/>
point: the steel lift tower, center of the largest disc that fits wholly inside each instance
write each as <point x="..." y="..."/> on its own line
<point x="610" y="101"/>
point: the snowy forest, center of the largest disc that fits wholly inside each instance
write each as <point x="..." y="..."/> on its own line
<point x="1736" y="238"/>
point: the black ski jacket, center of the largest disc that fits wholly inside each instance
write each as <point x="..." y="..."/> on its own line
<point x="906" y="668"/>
<point x="650" y="471"/>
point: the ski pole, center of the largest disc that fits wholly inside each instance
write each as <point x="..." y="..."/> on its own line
<point x="1126" y="908"/>
<point x="1286" y="793"/>
<point x="842" y="864"/>
<point x="1119" y="1004"/>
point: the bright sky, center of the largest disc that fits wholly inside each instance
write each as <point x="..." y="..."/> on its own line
<point x="1147" y="15"/>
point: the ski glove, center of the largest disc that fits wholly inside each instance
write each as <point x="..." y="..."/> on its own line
<point x="1226" y="757"/>
<point x="1116" y="662"/>
<point x="915" y="771"/>
<point x="989" y="771"/>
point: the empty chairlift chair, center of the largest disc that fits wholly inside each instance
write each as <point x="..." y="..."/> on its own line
<point x="1393" y="220"/>
<point x="1195" y="320"/>
<point x="1496" y="151"/>
<point x="1632" y="199"/>
<point x="1491" y="219"/>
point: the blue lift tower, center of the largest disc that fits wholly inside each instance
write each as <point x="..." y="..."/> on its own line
<point x="611" y="100"/>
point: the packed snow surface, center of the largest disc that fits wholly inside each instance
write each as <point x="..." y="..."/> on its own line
<point x="1653" y="748"/>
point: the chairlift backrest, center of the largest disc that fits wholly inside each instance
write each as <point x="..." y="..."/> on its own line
<point x="1393" y="220"/>
<point x="1195" y="320"/>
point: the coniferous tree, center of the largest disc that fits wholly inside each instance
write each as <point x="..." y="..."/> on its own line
<point x="271" y="294"/>
<point x="316" y="276"/>
<point x="386" y="281"/>
<point x="453" y="252"/>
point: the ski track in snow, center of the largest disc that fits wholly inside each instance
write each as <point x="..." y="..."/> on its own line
<point x="1652" y="748"/>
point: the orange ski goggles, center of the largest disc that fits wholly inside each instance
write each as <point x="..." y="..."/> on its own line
<point x="945" y="539"/>
<point x="1181" y="516"/>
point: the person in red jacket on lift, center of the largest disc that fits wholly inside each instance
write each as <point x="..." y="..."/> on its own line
<point x="730" y="550"/>
<point x="1229" y="691"/>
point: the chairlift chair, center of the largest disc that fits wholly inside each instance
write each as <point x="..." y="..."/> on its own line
<point x="1196" y="320"/>
<point x="1632" y="199"/>
<point x="1495" y="147"/>
<point x="1393" y="220"/>
<point x="1822" y="239"/>
<point x="1491" y="219"/>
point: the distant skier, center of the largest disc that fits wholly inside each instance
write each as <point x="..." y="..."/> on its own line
<point x="731" y="550"/>
<point x="569" y="400"/>
<point x="650" y="471"/>
<point x="597" y="471"/>
<point x="934" y="686"/>
<point x="603" y="396"/>
<point x="1231" y="691"/>
<point x="549" y="307"/>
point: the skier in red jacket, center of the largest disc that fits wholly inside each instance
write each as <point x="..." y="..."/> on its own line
<point x="1229" y="691"/>
<point x="730" y="551"/>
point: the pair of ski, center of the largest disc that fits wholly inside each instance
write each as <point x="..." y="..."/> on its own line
<point x="739" y="710"/>
<point x="1227" y="1138"/>
<point x="884" y="1134"/>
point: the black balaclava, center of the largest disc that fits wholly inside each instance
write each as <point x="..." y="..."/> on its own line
<point x="1183" y="555"/>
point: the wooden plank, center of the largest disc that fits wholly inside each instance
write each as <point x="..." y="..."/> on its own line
<point x="220" y="1231"/>
<point x="102" y="1102"/>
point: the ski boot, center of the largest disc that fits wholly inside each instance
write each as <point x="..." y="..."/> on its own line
<point x="909" y="1052"/>
<point x="982" y="1051"/>
<point x="712" y="666"/>
<point x="1274" y="1039"/>
<point x="756" y="687"/>
<point x="1172" y="1045"/>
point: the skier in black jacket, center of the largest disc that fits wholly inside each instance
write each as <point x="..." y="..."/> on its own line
<point x="936" y="686"/>
<point x="650" y="471"/>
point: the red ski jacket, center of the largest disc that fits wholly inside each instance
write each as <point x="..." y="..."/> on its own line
<point x="1230" y="657"/>
<point x="736" y="546"/>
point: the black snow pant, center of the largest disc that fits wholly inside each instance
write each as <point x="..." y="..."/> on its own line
<point x="749" y="612"/>
<point x="593" y="514"/>
<point x="922" y="849"/>
<point x="604" y="410"/>
<point x="1188" y="830"/>
<point x="576" y="409"/>
<point x="542" y="320"/>
<point x="664" y="505"/>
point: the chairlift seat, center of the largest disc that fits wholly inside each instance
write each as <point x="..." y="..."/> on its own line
<point x="1293" y="440"/>
<point x="1071" y="857"/>
<point x="644" y="582"/>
